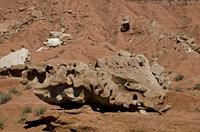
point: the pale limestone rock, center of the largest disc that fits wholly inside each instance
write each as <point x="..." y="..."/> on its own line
<point x="21" y="9"/>
<point x="143" y="112"/>
<point x="15" y="58"/>
<point x="157" y="69"/>
<point x="31" y="8"/>
<point x="189" y="49"/>
<point x="53" y="42"/>
<point x="161" y="37"/>
<point x="40" y="49"/>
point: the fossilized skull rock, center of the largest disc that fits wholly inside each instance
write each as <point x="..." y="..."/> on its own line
<point x="119" y="81"/>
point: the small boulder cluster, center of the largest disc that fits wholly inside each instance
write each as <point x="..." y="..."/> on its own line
<point x="56" y="39"/>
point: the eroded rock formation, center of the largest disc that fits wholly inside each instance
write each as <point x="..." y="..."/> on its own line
<point x="121" y="81"/>
<point x="118" y="81"/>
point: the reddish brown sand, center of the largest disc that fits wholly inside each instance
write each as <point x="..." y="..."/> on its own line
<point x="101" y="19"/>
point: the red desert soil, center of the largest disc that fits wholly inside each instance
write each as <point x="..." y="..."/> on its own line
<point x="101" y="19"/>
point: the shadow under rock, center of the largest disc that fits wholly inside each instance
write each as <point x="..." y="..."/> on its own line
<point x="34" y="123"/>
<point x="43" y="121"/>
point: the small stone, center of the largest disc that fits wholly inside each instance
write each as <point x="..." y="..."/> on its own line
<point x="32" y="8"/>
<point x="24" y="73"/>
<point x="69" y="11"/>
<point x="17" y="30"/>
<point x="40" y="49"/>
<point x="155" y="59"/>
<point x="21" y="9"/>
<point x="62" y="30"/>
<point x="43" y="18"/>
<point x="54" y="13"/>
<point x="24" y="81"/>
<point x="152" y="23"/>
<point x="189" y="50"/>
<point x="160" y="37"/>
<point x="91" y="38"/>
<point x="37" y="14"/>
<point x="66" y="36"/>
<point x="45" y="43"/>
<point x="47" y="48"/>
<point x="73" y="14"/>
<point x="143" y="112"/>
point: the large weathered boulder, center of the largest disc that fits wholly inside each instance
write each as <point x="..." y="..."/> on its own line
<point x="15" y="58"/>
<point x="118" y="81"/>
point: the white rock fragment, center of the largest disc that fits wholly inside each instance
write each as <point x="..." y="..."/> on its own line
<point x="143" y="112"/>
<point x="160" y="37"/>
<point x="189" y="50"/>
<point x="53" y="42"/>
<point x="62" y="30"/>
<point x="40" y="49"/>
<point x="56" y="39"/>
<point x="15" y="58"/>
<point x="45" y="43"/>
